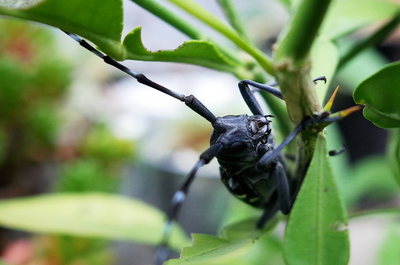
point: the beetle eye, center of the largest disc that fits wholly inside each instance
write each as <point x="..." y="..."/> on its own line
<point x="259" y="127"/>
<point x="254" y="127"/>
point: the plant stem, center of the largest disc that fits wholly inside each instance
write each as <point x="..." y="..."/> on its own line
<point x="233" y="18"/>
<point x="209" y="19"/>
<point x="182" y="25"/>
<point x="292" y="63"/>
<point x="171" y="18"/>
<point x="303" y="29"/>
<point x="292" y="67"/>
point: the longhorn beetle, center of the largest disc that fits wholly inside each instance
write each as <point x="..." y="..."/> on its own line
<point x="251" y="167"/>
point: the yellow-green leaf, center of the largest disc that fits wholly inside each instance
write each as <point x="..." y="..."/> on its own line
<point x="89" y="214"/>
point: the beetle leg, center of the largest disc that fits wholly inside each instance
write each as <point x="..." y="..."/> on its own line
<point x="249" y="98"/>
<point x="320" y="78"/>
<point x="338" y="152"/>
<point x="270" y="156"/>
<point x="282" y="185"/>
<point x="269" y="212"/>
<point x="323" y="119"/>
<point x="179" y="198"/>
<point x="268" y="88"/>
<point x="284" y="201"/>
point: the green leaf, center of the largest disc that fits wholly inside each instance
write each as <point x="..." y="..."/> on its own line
<point x="248" y="229"/>
<point x="348" y="16"/>
<point x="197" y="52"/>
<point x="317" y="229"/>
<point x="212" y="250"/>
<point x="381" y="96"/>
<point x="90" y="215"/>
<point x="236" y="241"/>
<point x="99" y="23"/>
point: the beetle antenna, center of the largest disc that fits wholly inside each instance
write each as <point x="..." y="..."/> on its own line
<point x="191" y="101"/>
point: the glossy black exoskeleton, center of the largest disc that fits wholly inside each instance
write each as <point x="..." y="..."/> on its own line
<point x="245" y="140"/>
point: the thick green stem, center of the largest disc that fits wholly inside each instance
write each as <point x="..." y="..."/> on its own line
<point x="303" y="28"/>
<point x="292" y="62"/>
<point x="292" y="68"/>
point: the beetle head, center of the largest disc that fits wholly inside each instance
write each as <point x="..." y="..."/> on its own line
<point x="242" y="135"/>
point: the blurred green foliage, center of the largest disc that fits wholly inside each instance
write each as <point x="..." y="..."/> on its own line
<point x="34" y="81"/>
<point x="31" y="88"/>
<point x="101" y="157"/>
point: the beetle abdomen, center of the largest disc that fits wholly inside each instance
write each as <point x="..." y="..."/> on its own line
<point x="255" y="190"/>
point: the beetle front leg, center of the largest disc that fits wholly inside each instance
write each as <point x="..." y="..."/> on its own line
<point x="285" y="201"/>
<point x="282" y="186"/>
<point x="162" y="252"/>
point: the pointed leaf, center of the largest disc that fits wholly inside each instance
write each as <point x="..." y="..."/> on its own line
<point x="89" y="214"/>
<point x="317" y="229"/>
<point x="381" y="95"/>
<point x="248" y="229"/>
<point x="196" y="52"/>
<point x="211" y="250"/>
<point x="237" y="240"/>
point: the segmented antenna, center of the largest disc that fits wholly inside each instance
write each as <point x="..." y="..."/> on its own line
<point x="191" y="101"/>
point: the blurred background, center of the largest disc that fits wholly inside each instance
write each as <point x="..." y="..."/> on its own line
<point x="69" y="122"/>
